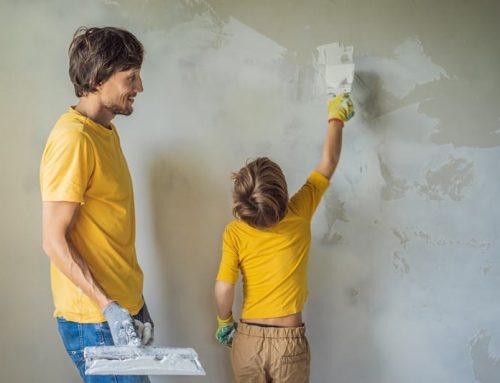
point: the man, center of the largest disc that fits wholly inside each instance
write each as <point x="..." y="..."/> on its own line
<point x="269" y="242"/>
<point x="88" y="203"/>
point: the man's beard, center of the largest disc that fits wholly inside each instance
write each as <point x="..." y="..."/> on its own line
<point x="118" y="109"/>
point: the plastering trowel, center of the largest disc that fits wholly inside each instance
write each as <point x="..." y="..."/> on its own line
<point x="132" y="360"/>
<point x="336" y="67"/>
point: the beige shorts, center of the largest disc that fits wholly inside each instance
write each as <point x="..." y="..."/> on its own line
<point x="270" y="354"/>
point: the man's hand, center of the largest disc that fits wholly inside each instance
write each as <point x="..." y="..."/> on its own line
<point x="121" y="325"/>
<point x="145" y="329"/>
<point x="225" y="330"/>
<point x="340" y="108"/>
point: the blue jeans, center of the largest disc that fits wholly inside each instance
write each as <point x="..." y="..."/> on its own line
<point x="77" y="336"/>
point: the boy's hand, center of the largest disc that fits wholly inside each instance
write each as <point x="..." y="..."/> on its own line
<point x="225" y="330"/>
<point x="340" y="108"/>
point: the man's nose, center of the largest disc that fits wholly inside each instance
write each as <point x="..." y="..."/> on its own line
<point x="139" y="86"/>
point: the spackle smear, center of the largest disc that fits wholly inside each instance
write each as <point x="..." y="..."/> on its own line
<point x="401" y="74"/>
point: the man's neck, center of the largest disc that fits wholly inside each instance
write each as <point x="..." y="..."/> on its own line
<point x="90" y="107"/>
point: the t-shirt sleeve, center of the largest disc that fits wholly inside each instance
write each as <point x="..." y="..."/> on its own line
<point x="228" y="269"/>
<point x="66" y="167"/>
<point x="307" y="199"/>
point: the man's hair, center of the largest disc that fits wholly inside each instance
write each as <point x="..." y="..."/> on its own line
<point x="260" y="195"/>
<point x="96" y="53"/>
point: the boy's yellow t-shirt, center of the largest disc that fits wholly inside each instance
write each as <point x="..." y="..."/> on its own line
<point x="83" y="162"/>
<point x="273" y="262"/>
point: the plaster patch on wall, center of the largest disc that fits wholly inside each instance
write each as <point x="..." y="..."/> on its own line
<point x="335" y="211"/>
<point x="403" y="238"/>
<point x="395" y="187"/>
<point x="222" y="71"/>
<point x="441" y="241"/>
<point x="400" y="263"/>
<point x="449" y="180"/>
<point x="250" y="44"/>
<point x="485" y="365"/>
<point x="402" y="73"/>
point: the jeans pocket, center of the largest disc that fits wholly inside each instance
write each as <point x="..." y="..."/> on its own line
<point x="103" y="335"/>
<point x="71" y="334"/>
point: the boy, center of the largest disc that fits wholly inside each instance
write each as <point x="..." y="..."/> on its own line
<point x="269" y="242"/>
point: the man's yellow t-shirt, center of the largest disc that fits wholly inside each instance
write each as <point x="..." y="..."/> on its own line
<point x="274" y="261"/>
<point x="83" y="162"/>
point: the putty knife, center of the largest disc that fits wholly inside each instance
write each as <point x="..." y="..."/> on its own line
<point x="336" y="64"/>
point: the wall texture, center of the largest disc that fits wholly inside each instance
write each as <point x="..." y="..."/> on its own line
<point x="404" y="270"/>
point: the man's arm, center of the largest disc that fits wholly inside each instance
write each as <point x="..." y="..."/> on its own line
<point x="224" y="298"/>
<point x="58" y="219"/>
<point x="340" y="110"/>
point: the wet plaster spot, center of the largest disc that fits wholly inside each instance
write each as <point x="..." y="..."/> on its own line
<point x="395" y="187"/>
<point x="402" y="73"/>
<point x="400" y="263"/>
<point x="403" y="238"/>
<point x="448" y="181"/>
<point x="335" y="211"/>
<point x="485" y="365"/>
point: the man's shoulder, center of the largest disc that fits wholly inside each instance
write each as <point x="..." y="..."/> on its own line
<point x="69" y="120"/>
<point x="69" y="127"/>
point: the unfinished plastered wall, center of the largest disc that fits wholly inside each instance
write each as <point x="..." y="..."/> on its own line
<point x="404" y="269"/>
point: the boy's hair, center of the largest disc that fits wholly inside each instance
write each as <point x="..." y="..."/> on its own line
<point x="260" y="195"/>
<point x="96" y="53"/>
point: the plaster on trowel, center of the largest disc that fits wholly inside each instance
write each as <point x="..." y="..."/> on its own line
<point x="336" y="68"/>
<point x="132" y="360"/>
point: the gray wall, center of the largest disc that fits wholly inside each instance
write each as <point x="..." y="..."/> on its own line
<point x="404" y="270"/>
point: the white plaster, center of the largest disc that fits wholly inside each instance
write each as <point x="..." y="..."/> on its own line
<point x="402" y="73"/>
<point x="107" y="360"/>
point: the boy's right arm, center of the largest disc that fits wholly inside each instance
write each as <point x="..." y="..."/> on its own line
<point x="224" y="298"/>
<point x="340" y="110"/>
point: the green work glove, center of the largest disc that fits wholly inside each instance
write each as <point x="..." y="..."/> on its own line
<point x="225" y="331"/>
<point x="340" y="108"/>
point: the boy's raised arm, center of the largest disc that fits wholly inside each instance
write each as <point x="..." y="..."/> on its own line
<point x="340" y="110"/>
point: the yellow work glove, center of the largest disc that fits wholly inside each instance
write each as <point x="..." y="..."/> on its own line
<point x="340" y="108"/>
<point x="225" y="330"/>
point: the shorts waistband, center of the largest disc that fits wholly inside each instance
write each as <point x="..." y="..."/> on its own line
<point x="271" y="332"/>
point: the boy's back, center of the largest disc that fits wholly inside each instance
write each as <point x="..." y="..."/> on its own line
<point x="273" y="261"/>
